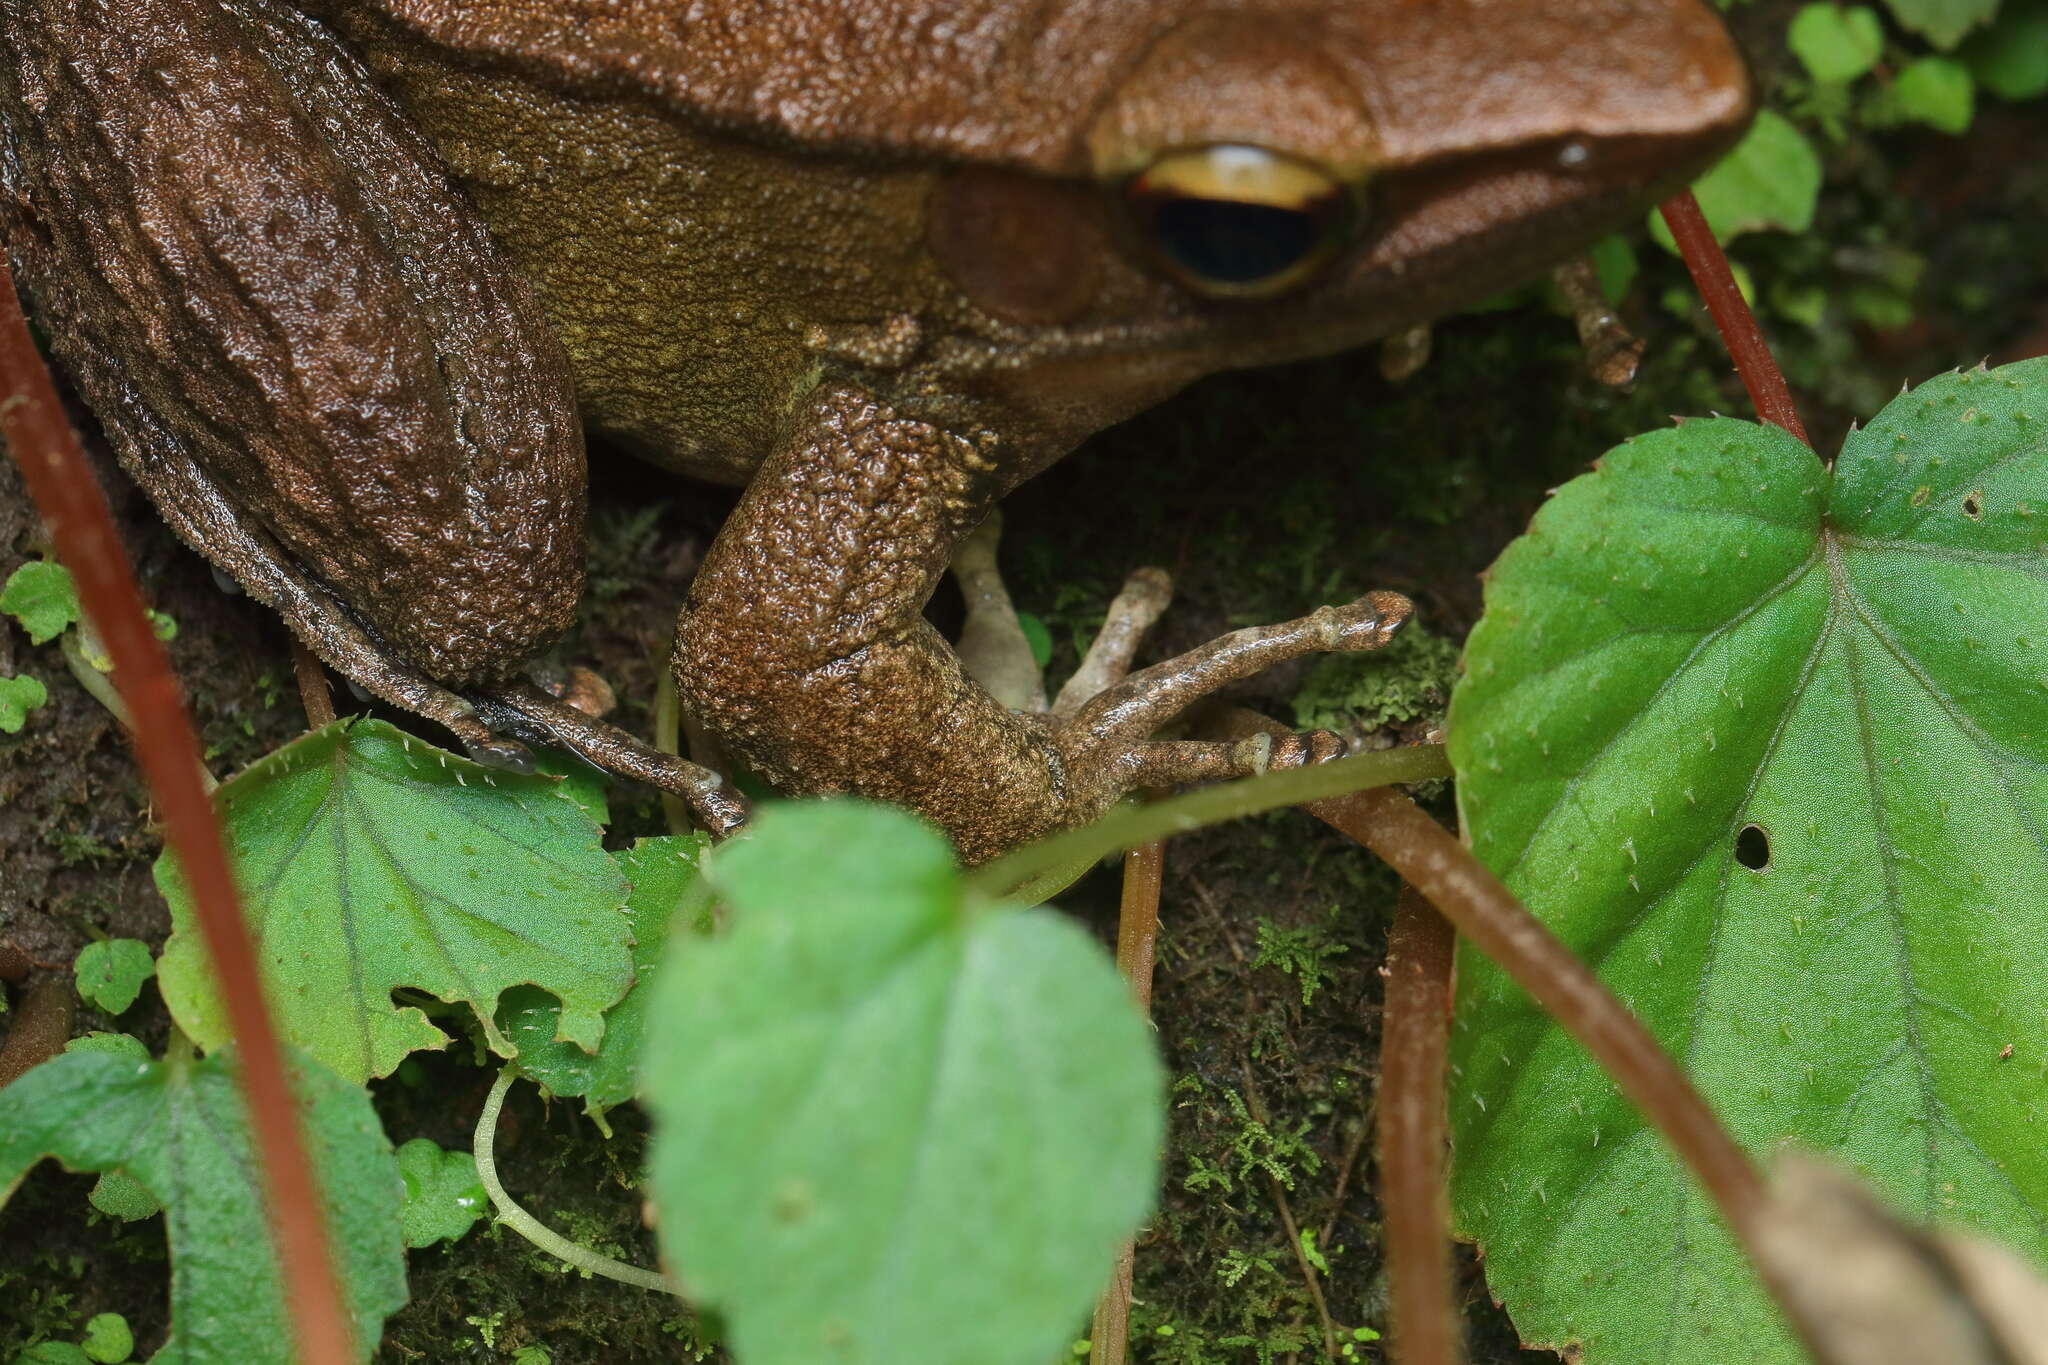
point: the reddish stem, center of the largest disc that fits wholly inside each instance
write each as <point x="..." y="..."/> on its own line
<point x="1716" y="283"/>
<point x="61" y="482"/>
<point x="1137" y="934"/>
<point x="1415" y="1037"/>
<point x="1432" y="861"/>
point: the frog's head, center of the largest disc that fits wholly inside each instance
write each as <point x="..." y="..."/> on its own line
<point x="1272" y="181"/>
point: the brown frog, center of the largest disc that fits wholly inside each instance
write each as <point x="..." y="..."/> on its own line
<point x="342" y="277"/>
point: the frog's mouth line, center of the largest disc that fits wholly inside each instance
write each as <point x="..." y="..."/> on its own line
<point x="1434" y="241"/>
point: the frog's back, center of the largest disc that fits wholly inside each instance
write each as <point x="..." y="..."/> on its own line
<point x="1018" y="82"/>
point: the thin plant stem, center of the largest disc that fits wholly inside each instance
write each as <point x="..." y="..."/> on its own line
<point x="1040" y="868"/>
<point x="531" y="1228"/>
<point x="60" y="480"/>
<point x="1414" y="1044"/>
<point x="1432" y="861"/>
<point x="1716" y="283"/>
<point x="314" y="695"/>
<point x="1137" y="936"/>
<point x="668" y="737"/>
<point x="97" y="685"/>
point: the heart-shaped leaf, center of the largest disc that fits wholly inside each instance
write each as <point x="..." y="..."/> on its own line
<point x="891" y="1125"/>
<point x="179" y="1131"/>
<point x="371" y="861"/>
<point x="1769" y="746"/>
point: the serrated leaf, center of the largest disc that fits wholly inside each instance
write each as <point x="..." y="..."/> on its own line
<point x="371" y="861"/>
<point x="1942" y="22"/>
<point x="178" y="1129"/>
<point x="19" y="696"/>
<point x="892" y="1126"/>
<point x="666" y="882"/>
<point x="110" y="972"/>
<point x="1769" y="746"/>
<point x="1836" y="43"/>
<point x="444" y="1195"/>
<point x="1770" y="180"/>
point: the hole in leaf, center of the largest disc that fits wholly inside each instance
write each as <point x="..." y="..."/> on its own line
<point x="1973" y="506"/>
<point x="1753" y="848"/>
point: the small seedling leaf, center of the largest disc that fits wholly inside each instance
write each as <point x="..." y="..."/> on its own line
<point x="178" y="1129"/>
<point x="892" y="1125"/>
<point x="19" y="696"/>
<point x="1766" y="745"/>
<point x="1943" y="22"/>
<point x="111" y="971"/>
<point x="1936" y="91"/>
<point x="108" y="1338"/>
<point x="664" y="873"/>
<point x="371" y="861"/>
<point x="39" y="594"/>
<point x="444" y="1196"/>
<point x="1836" y="43"/>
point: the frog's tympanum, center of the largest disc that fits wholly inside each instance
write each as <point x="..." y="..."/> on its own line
<point x="345" y="279"/>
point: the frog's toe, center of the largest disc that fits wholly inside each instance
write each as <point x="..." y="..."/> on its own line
<point x="1131" y="710"/>
<point x="1170" y="763"/>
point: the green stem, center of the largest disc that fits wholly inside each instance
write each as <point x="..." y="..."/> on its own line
<point x="531" y="1228"/>
<point x="1038" y="870"/>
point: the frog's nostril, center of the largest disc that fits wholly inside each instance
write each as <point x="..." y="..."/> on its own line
<point x="1232" y="221"/>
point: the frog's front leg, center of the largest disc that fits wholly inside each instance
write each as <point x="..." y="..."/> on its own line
<point x="803" y="646"/>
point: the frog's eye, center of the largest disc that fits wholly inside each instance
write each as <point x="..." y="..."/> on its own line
<point x="1239" y="222"/>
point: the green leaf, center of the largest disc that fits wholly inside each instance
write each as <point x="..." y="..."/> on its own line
<point x="1836" y="43"/>
<point x="891" y="1125"/>
<point x="1936" y="91"/>
<point x="111" y="972"/>
<point x="1766" y="746"/>
<point x="19" y="696"/>
<point x="370" y="861"/>
<point x="664" y="873"/>
<point x="178" y="1128"/>
<point x="1770" y="180"/>
<point x="115" y="1194"/>
<point x="444" y="1196"/>
<point x="1037" y="636"/>
<point x="108" y="1339"/>
<point x="580" y="782"/>
<point x="53" y="1353"/>
<point x="2010" y="59"/>
<point x="39" y="594"/>
<point x="1942" y="22"/>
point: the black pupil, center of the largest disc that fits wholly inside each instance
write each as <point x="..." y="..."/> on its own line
<point x="1231" y="242"/>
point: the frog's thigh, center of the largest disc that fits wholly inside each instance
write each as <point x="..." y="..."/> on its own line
<point x="296" y="331"/>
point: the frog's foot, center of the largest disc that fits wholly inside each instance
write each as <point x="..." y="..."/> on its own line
<point x="489" y="728"/>
<point x="1106" y="740"/>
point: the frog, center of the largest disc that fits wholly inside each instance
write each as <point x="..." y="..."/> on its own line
<point x="346" y="282"/>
